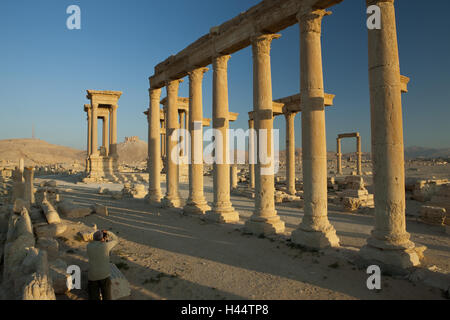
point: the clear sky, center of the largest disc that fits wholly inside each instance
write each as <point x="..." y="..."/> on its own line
<point x="45" y="68"/>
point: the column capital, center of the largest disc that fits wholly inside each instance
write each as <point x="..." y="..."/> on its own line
<point x="289" y="114"/>
<point x="155" y="93"/>
<point x="220" y="62"/>
<point x="311" y="20"/>
<point x="172" y="86"/>
<point x="114" y="107"/>
<point x="197" y="74"/>
<point x="261" y="43"/>
<point x="372" y="2"/>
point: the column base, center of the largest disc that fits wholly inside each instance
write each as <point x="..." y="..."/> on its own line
<point x="171" y="202"/>
<point x="403" y="259"/>
<point x="223" y="215"/>
<point x="154" y="198"/>
<point x="292" y="192"/>
<point x="264" y="226"/>
<point x="196" y="208"/>
<point x="316" y="239"/>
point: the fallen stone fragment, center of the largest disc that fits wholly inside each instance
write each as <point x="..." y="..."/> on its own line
<point x="50" y="230"/>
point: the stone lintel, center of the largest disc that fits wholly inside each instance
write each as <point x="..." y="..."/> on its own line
<point x="104" y="97"/>
<point x="348" y="135"/>
<point x="291" y="104"/>
<point x="270" y="16"/>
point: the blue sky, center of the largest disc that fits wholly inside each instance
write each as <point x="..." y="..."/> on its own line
<point x="45" y="68"/>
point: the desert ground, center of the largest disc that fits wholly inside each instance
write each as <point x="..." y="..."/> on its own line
<point x="167" y="255"/>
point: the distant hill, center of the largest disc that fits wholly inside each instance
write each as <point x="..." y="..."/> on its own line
<point x="426" y="153"/>
<point x="132" y="151"/>
<point x="38" y="152"/>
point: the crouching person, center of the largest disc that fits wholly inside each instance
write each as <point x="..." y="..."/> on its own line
<point x="99" y="274"/>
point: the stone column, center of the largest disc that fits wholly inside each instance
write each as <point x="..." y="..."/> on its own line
<point x="315" y="231"/>
<point x="222" y="209"/>
<point x="183" y="137"/>
<point x="29" y="188"/>
<point x="113" y="138"/>
<point x="89" y="133"/>
<point x="339" y="156"/>
<point x="154" y="148"/>
<point x="196" y="203"/>
<point x="389" y="243"/>
<point x="21" y="165"/>
<point x="290" y="152"/>
<point x="163" y="139"/>
<point x="106" y="134"/>
<point x="172" y="198"/>
<point x="251" y="153"/>
<point x="358" y="156"/>
<point x="94" y="125"/>
<point x="234" y="176"/>
<point x="265" y="219"/>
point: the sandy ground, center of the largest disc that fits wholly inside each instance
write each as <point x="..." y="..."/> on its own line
<point x="166" y="255"/>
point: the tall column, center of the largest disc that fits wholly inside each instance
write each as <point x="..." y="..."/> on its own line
<point x="234" y="176"/>
<point x="196" y="203"/>
<point x="172" y="198"/>
<point x="183" y="137"/>
<point x="339" y="156"/>
<point x="290" y="152"/>
<point x="29" y="188"/>
<point x="315" y="231"/>
<point x="154" y="148"/>
<point x="113" y="138"/>
<point x="163" y="139"/>
<point x="265" y="219"/>
<point x="106" y="134"/>
<point x="222" y="209"/>
<point x="94" y="125"/>
<point x="251" y="153"/>
<point x="358" y="156"/>
<point x="389" y="243"/>
<point x="89" y="133"/>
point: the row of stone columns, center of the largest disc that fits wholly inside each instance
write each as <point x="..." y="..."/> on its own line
<point x="389" y="241"/>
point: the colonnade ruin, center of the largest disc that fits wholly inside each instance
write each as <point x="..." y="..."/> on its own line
<point x="102" y="162"/>
<point x="258" y="27"/>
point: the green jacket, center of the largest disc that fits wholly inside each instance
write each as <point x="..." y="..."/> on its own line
<point x="98" y="254"/>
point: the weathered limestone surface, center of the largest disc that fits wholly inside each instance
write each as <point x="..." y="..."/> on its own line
<point x="358" y="152"/>
<point x="172" y="198"/>
<point x="265" y="219"/>
<point x="154" y="148"/>
<point x="389" y="243"/>
<point x="104" y="163"/>
<point x="222" y="209"/>
<point x="120" y="287"/>
<point x="270" y="16"/>
<point x="315" y="230"/>
<point x="290" y="152"/>
<point x="196" y="203"/>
